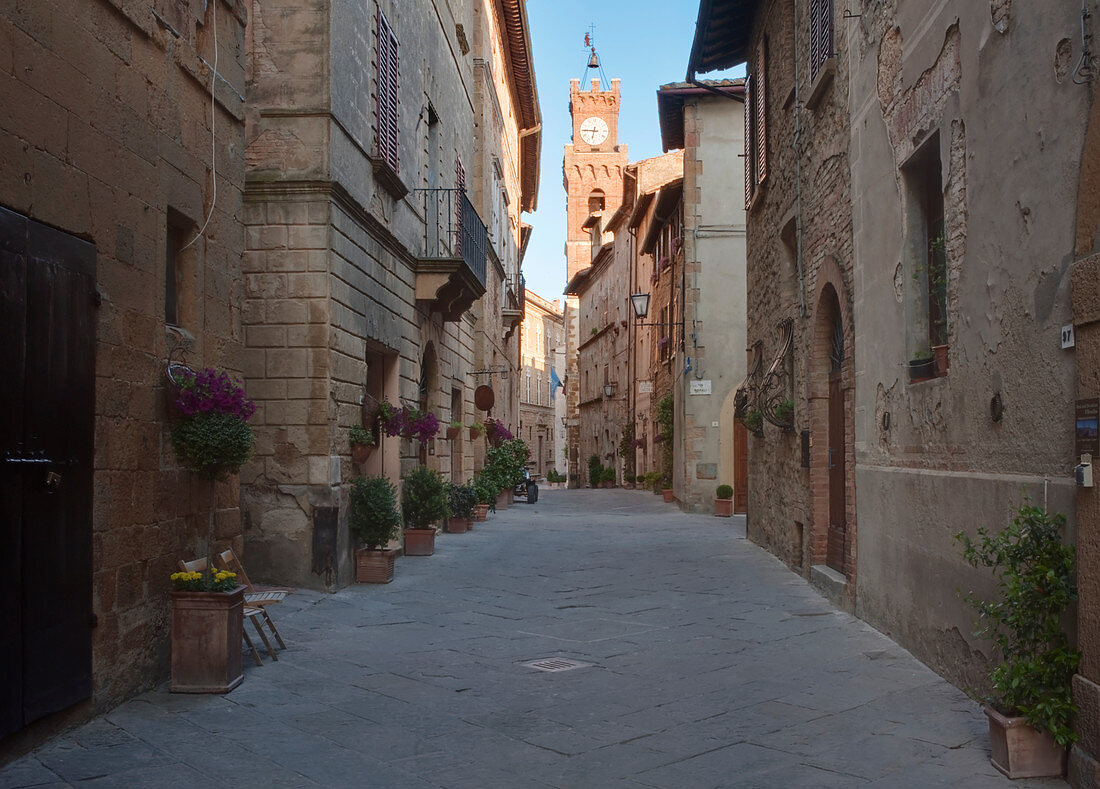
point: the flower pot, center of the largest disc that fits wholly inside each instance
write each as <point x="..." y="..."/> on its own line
<point x="458" y="525"/>
<point x="939" y="360"/>
<point x="723" y="508"/>
<point x="667" y="493"/>
<point x="1019" y="751"/>
<point x="504" y="499"/>
<point x="921" y="370"/>
<point x="474" y="434"/>
<point x="419" y="542"/>
<point x="374" y="567"/>
<point x="206" y="641"/>
<point x="360" y="452"/>
<point x="481" y="513"/>
<point x="453" y="432"/>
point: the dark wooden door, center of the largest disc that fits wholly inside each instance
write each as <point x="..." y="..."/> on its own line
<point x="47" y="360"/>
<point x="836" y="548"/>
<point x="740" y="468"/>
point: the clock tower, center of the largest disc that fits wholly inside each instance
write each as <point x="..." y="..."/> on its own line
<point x="593" y="169"/>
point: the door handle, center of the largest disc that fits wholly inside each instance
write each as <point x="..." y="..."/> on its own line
<point x="831" y="463"/>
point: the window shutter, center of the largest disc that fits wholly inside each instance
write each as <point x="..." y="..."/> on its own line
<point x="821" y="34"/>
<point x="760" y="91"/>
<point x="750" y="156"/>
<point x="387" y="94"/>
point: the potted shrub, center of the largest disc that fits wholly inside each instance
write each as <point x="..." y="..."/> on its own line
<point x="362" y="443"/>
<point x="207" y="617"/>
<point x="784" y="412"/>
<point x="595" y="470"/>
<point x="408" y="422"/>
<point x="1030" y="707"/>
<point x="453" y="430"/>
<point x="753" y="421"/>
<point x="666" y="487"/>
<point x="423" y="502"/>
<point x="723" y="501"/>
<point x="487" y="490"/>
<point x="461" y="502"/>
<point x="476" y="429"/>
<point x="373" y="520"/>
<point x="211" y="437"/>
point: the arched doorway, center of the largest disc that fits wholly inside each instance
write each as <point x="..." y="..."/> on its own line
<point x="837" y="544"/>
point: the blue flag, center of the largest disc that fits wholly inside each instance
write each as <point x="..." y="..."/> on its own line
<point x="555" y="382"/>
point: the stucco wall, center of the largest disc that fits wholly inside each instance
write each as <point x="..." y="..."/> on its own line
<point x="944" y="463"/>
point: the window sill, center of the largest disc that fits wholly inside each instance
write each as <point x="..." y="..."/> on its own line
<point x="821" y="83"/>
<point x="388" y="178"/>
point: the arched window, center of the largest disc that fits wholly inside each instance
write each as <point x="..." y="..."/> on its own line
<point x="596" y="201"/>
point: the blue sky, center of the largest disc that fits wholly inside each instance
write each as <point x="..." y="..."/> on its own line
<point x="642" y="42"/>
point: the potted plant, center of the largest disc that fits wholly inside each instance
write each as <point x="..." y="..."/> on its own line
<point x="784" y="412"/>
<point x="1030" y="707"/>
<point x="409" y="423"/>
<point x="373" y="520"/>
<point x="362" y="443"/>
<point x="496" y="433"/>
<point x="207" y="618"/>
<point x="461" y="502"/>
<point x="476" y="429"/>
<point x="211" y="437"/>
<point x="487" y="490"/>
<point x="753" y="420"/>
<point x="453" y="430"/>
<point x="922" y="366"/>
<point x="723" y="501"/>
<point x="423" y="502"/>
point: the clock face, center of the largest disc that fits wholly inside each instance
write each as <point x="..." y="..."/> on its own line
<point x="594" y="130"/>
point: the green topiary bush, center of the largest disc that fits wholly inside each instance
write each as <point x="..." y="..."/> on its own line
<point x="211" y="444"/>
<point x="423" y="498"/>
<point x="724" y="492"/>
<point x="373" y="518"/>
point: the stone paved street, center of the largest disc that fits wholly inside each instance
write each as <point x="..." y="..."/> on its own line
<point x="708" y="664"/>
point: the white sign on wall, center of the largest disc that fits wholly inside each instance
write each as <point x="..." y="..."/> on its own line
<point x="700" y="387"/>
<point x="645" y="387"/>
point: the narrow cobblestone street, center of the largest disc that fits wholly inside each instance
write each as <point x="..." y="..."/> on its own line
<point x="706" y="664"/>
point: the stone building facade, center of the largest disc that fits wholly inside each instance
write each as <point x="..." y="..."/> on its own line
<point x="114" y="255"/>
<point x="706" y="121"/>
<point x="542" y="337"/>
<point x="926" y="355"/>
<point x="383" y="206"/>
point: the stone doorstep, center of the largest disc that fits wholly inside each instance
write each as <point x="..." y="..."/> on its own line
<point x="830" y="583"/>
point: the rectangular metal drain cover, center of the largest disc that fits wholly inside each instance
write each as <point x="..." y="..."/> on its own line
<point x="555" y="664"/>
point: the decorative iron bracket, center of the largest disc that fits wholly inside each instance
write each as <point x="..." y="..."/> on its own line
<point x="746" y="396"/>
<point x="778" y="382"/>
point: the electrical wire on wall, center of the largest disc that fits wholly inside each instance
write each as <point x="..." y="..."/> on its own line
<point x="213" y="149"/>
<point x="1083" y="72"/>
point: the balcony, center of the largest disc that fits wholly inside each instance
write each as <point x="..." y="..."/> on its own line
<point x="514" y="304"/>
<point x="450" y="271"/>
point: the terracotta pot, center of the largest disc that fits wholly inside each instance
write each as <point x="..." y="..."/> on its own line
<point x="481" y="513"/>
<point x="667" y="493"/>
<point x="360" y="452"/>
<point x="723" y="508"/>
<point x="374" y="567"/>
<point x="474" y="434"/>
<point x="458" y="525"/>
<point x="419" y="542"/>
<point x="206" y="641"/>
<point x="921" y="370"/>
<point x="1019" y="751"/>
<point x="504" y="499"/>
<point x="939" y="360"/>
<point x="452" y="433"/>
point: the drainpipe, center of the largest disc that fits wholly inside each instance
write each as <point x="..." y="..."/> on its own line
<point x="798" y="178"/>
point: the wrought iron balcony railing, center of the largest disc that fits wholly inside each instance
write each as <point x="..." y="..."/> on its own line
<point x="453" y="229"/>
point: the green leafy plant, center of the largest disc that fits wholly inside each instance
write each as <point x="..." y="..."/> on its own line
<point x="357" y="434"/>
<point x="373" y="517"/>
<point x="923" y="355"/>
<point x="1034" y="572"/>
<point x="724" y="492"/>
<point x="595" y="469"/>
<point x="487" y="489"/>
<point x="456" y="425"/>
<point x="784" y="411"/>
<point x="553" y="476"/>
<point x="461" y="500"/>
<point x="630" y="479"/>
<point x="476" y="429"/>
<point x="652" y="480"/>
<point x="423" y="498"/>
<point x="753" y="420"/>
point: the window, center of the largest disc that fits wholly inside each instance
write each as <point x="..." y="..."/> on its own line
<point x="821" y="35"/>
<point x="386" y="131"/>
<point x="179" y="230"/>
<point x="528" y="398"/>
<point x="756" y="136"/>
<point x="596" y="201"/>
<point x="926" y="251"/>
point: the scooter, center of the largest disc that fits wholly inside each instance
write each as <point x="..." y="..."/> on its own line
<point x="528" y="488"/>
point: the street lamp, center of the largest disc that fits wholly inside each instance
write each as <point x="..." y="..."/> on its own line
<point x="608" y="390"/>
<point x="641" y="304"/>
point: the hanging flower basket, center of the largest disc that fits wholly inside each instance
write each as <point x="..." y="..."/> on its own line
<point x="211" y="437"/>
<point x="408" y="422"/>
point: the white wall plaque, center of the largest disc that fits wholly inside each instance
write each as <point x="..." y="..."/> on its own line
<point x="645" y="387"/>
<point x="700" y="387"/>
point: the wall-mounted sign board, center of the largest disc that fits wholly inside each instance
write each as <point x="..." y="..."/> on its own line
<point x="1086" y="432"/>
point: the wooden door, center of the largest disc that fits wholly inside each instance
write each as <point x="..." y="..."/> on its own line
<point x="836" y="549"/>
<point x="47" y="360"/>
<point x="740" y="468"/>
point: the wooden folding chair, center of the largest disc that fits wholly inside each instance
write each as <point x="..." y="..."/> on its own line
<point x="251" y="613"/>
<point x="259" y="597"/>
